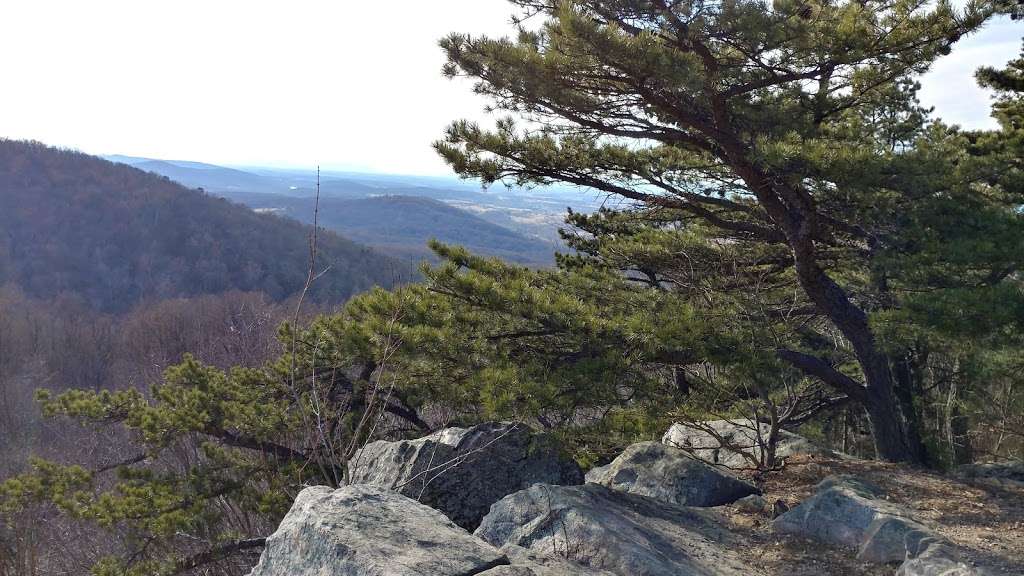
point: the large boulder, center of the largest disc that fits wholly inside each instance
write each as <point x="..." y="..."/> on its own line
<point x="732" y="443"/>
<point x="671" y="475"/>
<point x="845" y="511"/>
<point x="939" y="560"/>
<point x="370" y="531"/>
<point x="462" y="471"/>
<point x="605" y="529"/>
<point x="1006" y="474"/>
<point x="841" y="512"/>
<point x="529" y="563"/>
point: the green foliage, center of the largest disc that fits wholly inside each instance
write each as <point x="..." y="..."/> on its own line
<point x="778" y="161"/>
<point x="209" y="446"/>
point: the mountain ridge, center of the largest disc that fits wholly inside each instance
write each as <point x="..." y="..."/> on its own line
<point x="402" y="225"/>
<point x="114" y="235"/>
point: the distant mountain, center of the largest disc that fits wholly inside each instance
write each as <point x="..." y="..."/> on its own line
<point x="535" y="214"/>
<point x="402" y="225"/>
<point x="207" y="176"/>
<point x="114" y="235"/>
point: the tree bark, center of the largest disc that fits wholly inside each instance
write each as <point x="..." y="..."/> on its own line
<point x="794" y="212"/>
<point x="909" y="384"/>
<point x="958" y="429"/>
<point x="891" y="432"/>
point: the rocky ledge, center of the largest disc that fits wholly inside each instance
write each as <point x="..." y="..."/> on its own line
<point x="656" y="510"/>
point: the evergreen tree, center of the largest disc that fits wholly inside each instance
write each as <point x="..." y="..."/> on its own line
<point x="781" y="130"/>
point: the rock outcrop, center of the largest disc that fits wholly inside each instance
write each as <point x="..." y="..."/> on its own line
<point x="732" y="443"/>
<point x="462" y="471"/>
<point x="753" y="504"/>
<point x="848" y="512"/>
<point x="938" y="560"/>
<point x="370" y="531"/>
<point x="648" y="513"/>
<point x="605" y="529"/>
<point x="671" y="475"/>
<point x="994" y="473"/>
<point x="529" y="563"/>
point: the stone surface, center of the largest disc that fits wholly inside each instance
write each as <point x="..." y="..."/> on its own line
<point x="891" y="538"/>
<point x="671" y="475"/>
<point x="840" y="512"/>
<point x="996" y="473"/>
<point x="529" y="563"/>
<point x="462" y="471"/>
<point x="724" y="442"/>
<point x="509" y="571"/>
<point x="939" y="560"/>
<point x="846" y="511"/>
<point x="624" y="534"/>
<point x="753" y="504"/>
<point x="369" y="531"/>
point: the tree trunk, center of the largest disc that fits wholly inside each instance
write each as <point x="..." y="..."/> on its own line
<point x="793" y="211"/>
<point x="959" y="437"/>
<point x="681" y="382"/>
<point x="892" y="435"/>
<point x="888" y="428"/>
<point x="958" y="429"/>
<point x="908" y="384"/>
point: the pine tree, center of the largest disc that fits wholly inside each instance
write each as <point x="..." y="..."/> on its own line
<point x="782" y="129"/>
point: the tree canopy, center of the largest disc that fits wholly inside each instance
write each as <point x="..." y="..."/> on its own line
<point x="787" y="135"/>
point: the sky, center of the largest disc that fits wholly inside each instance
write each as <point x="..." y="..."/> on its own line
<point x="346" y="85"/>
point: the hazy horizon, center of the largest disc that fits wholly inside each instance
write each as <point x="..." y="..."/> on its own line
<point x="252" y="84"/>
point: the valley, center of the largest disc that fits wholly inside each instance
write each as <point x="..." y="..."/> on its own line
<point x="394" y="213"/>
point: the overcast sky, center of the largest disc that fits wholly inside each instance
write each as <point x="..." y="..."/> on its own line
<point x="349" y="85"/>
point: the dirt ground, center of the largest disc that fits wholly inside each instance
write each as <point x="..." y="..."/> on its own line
<point x="985" y="519"/>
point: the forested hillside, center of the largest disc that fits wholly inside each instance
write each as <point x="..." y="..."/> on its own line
<point x="402" y="225"/>
<point x="531" y="214"/>
<point x="114" y="235"/>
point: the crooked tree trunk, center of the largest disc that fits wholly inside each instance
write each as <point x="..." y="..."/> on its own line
<point x="892" y="435"/>
<point x="793" y="211"/>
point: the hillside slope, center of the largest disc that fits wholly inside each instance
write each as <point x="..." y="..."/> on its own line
<point x="402" y="225"/>
<point x="534" y="214"/>
<point x="209" y="177"/>
<point x="113" y="235"/>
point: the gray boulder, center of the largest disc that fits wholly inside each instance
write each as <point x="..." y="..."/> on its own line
<point x="671" y="475"/>
<point x="462" y="471"/>
<point x="624" y="534"/>
<point x="849" y="512"/>
<point x="894" y="538"/>
<point x="508" y="571"/>
<point x="753" y="504"/>
<point x="529" y="563"/>
<point x="939" y="560"/>
<point x="839" y="513"/>
<point x="732" y="443"/>
<point x="1009" y="474"/>
<point x="369" y="531"/>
